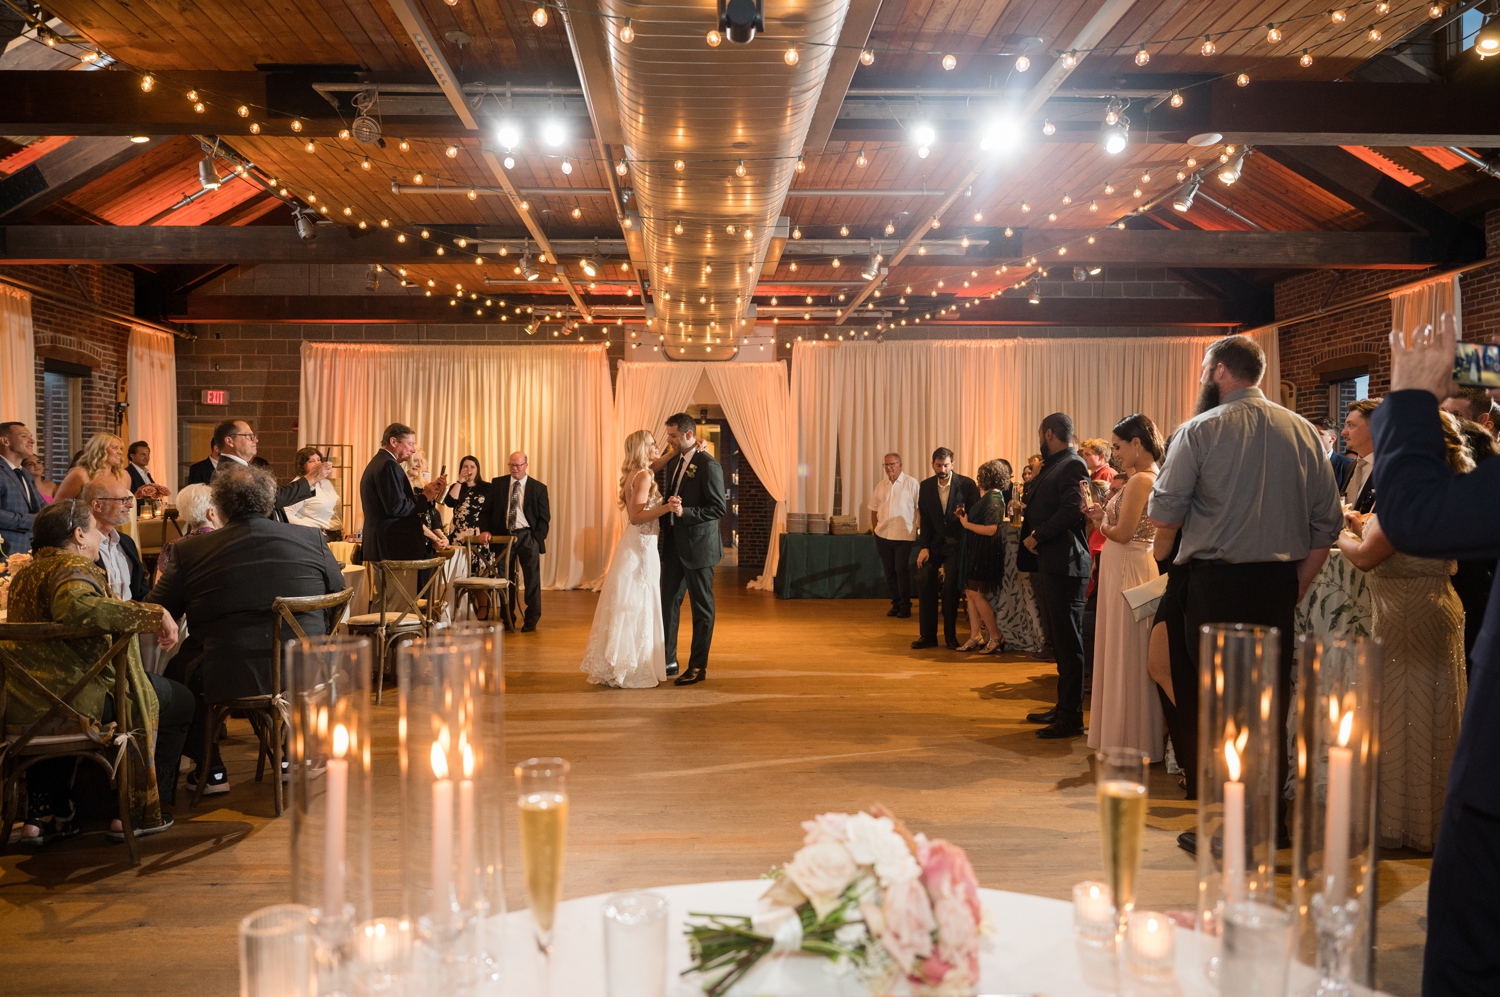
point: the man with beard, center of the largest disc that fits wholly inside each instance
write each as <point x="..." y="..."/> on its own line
<point x="1247" y="483"/>
<point x="940" y="498"/>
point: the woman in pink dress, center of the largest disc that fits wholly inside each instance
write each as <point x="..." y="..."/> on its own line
<point x="1126" y="712"/>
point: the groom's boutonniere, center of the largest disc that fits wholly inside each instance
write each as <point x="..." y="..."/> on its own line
<point x="692" y="470"/>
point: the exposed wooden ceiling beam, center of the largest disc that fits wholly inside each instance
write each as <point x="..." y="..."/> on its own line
<point x="858" y="20"/>
<point x="64" y="170"/>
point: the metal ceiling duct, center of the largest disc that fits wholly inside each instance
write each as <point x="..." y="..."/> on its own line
<point x="713" y="108"/>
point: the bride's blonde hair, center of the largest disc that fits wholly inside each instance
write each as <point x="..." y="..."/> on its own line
<point x="637" y="458"/>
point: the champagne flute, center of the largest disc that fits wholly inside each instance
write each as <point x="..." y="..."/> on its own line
<point x="1121" y="778"/>
<point x="542" y="798"/>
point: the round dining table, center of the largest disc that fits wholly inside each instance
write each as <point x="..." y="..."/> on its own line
<point x="1033" y="951"/>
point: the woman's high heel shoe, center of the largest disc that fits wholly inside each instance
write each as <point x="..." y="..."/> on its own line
<point x="996" y="646"/>
<point x="973" y="644"/>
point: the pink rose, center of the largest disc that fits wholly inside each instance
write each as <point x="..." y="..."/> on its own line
<point x="822" y="870"/>
<point x="946" y="869"/>
<point x="950" y="880"/>
<point x="908" y="922"/>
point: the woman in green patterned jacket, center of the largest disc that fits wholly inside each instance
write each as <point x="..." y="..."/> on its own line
<point x="64" y="585"/>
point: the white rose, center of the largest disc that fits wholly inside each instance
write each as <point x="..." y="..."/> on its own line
<point x="821" y="871"/>
<point x="825" y="827"/>
<point x="873" y="841"/>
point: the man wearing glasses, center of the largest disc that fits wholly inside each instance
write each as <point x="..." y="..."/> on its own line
<point x="893" y="518"/>
<point x="238" y="448"/>
<point x="109" y="500"/>
<point x="519" y="507"/>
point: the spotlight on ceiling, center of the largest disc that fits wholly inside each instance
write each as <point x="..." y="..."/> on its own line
<point x="208" y="175"/>
<point x="1231" y="170"/>
<point x="871" y="268"/>
<point x="1114" y="137"/>
<point x="527" y="270"/>
<point x="1184" y="197"/>
<point x="1036" y="295"/>
<point x="553" y="133"/>
<point x="1095" y="271"/>
<point x="306" y="229"/>
<point x="1001" y="134"/>
<point x="593" y="266"/>
<point x="739" y="20"/>
<point x="924" y="137"/>
<point x="1080" y="274"/>
<point x="508" y="133"/>
<point x="1487" y="41"/>
<point x="140" y="139"/>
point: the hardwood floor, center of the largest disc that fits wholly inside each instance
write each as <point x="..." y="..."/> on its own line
<point x="809" y="706"/>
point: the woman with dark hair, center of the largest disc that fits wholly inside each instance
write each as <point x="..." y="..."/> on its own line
<point x="467" y="499"/>
<point x="1420" y="620"/>
<point x="64" y="585"/>
<point x="322" y="511"/>
<point x="1126" y="712"/>
<point x="981" y="556"/>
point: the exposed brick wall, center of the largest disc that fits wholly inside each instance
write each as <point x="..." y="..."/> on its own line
<point x="261" y="367"/>
<point x="1363" y="330"/>
<point x="756" y="510"/>
<point x="77" y="336"/>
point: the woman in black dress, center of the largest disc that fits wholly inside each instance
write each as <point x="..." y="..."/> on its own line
<point x="982" y="556"/>
<point x="467" y="499"/>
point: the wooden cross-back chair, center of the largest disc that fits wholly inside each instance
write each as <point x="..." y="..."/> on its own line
<point x="21" y="751"/>
<point x="493" y="581"/>
<point x="398" y="611"/>
<point x="267" y="714"/>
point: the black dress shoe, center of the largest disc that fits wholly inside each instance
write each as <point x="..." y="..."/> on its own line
<point x="672" y="669"/>
<point x="904" y="614"/>
<point x="1061" y="729"/>
<point x="952" y="643"/>
<point x="691" y="676"/>
<point x="922" y="642"/>
<point x="1188" y="842"/>
<point x="1045" y="717"/>
<point x="893" y="611"/>
<point x="529" y="628"/>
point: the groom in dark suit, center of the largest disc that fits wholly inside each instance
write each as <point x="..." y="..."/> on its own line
<point x="690" y="544"/>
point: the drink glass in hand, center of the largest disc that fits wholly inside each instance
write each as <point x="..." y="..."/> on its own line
<point x="542" y="799"/>
<point x="1120" y="774"/>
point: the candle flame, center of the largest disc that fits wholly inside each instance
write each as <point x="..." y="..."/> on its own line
<point x="1232" y="759"/>
<point x="444" y="738"/>
<point x="1333" y="709"/>
<point x="340" y="741"/>
<point x="1265" y="704"/>
<point x="1346" y="727"/>
<point x="439" y="761"/>
<point x="468" y="754"/>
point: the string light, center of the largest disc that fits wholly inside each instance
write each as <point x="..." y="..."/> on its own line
<point x="627" y="33"/>
<point x="1306" y="59"/>
<point x="1339" y="16"/>
<point x="366" y="164"/>
<point x="679" y="166"/>
<point x="1067" y="198"/>
<point x="1208" y="47"/>
<point x="1070" y="60"/>
<point x="311" y="146"/>
<point x="539" y="16"/>
<point x="801" y="164"/>
<point x="1176" y="100"/>
<point x="1048" y="128"/>
<point x="1374" y="34"/>
<point x="1435" y="11"/>
<point x="404" y="145"/>
<point x="866" y="57"/>
<point x="739" y="170"/>
<point x="343" y="134"/>
<point x="790" y="57"/>
<point x="714" y="38"/>
<point x="567" y="166"/>
<point x="1022" y="64"/>
<point x="452" y="151"/>
<point x="1273" y="33"/>
<point x="297" y="127"/>
<point x="621" y="169"/>
<point x="890" y="227"/>
<point x="1243" y="79"/>
<point x="862" y="161"/>
<point x="147" y="82"/>
<point x="1142" y="57"/>
<point x="844" y="231"/>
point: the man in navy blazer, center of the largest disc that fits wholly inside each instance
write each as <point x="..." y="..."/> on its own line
<point x="1343" y="464"/>
<point x="938" y="500"/>
<point x="19" y="499"/>
<point x="1428" y="511"/>
<point x="393" y="509"/>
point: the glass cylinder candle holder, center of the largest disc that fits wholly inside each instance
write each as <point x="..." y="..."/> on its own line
<point x="451" y="758"/>
<point x="328" y="769"/>
<point x="1240" y="752"/>
<point x="1335" y="826"/>
<point x="1150" y="945"/>
<point x="382" y="955"/>
<point x="276" y="953"/>
<point x="1093" y="914"/>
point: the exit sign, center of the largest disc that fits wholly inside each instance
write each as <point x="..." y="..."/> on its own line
<point x="216" y="396"/>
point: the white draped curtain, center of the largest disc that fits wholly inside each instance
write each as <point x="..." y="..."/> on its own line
<point x="1426" y="303"/>
<point x="151" y="392"/>
<point x="855" y="402"/>
<point x="755" y="401"/>
<point x="552" y="402"/>
<point x="17" y="358"/>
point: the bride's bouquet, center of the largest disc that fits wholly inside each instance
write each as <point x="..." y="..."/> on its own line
<point x="867" y="893"/>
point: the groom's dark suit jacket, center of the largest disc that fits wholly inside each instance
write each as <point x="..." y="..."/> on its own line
<point x="695" y="533"/>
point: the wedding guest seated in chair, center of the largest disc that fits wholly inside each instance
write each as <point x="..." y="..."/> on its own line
<point x="63" y="585"/>
<point x="225" y="581"/>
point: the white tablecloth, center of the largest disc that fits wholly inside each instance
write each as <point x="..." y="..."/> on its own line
<point x="1033" y="952"/>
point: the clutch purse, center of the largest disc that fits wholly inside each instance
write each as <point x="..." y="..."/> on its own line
<point x="1143" y="599"/>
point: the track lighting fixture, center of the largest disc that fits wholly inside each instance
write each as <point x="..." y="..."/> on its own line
<point x="306" y="227"/>
<point x="208" y="175"/>
<point x="1183" y="200"/>
<point x="1231" y="170"/>
<point x="739" y="20"/>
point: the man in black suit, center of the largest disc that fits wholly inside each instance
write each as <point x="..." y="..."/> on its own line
<point x="19" y="499"/>
<point x="939" y="498"/>
<point x="690" y="544"/>
<point x="225" y="581"/>
<point x="518" y="507"/>
<point x="202" y="472"/>
<point x="1056" y="522"/>
<point x="238" y="446"/>
<point x="1328" y="434"/>
<point x="142" y="484"/>
<point x="1428" y="511"/>
<point x="393" y="509"/>
<point x="1358" y="484"/>
<point x="109" y="499"/>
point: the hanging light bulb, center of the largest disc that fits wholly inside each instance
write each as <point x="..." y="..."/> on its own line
<point x="404" y="145"/>
<point x="979" y="216"/>
<point x="1009" y="232"/>
<point x="621" y="169"/>
<point x="890" y="228"/>
<point x="1373" y="34"/>
<point x="1093" y="205"/>
<point x="801" y="165"/>
<point x="577" y="212"/>
<point x="1435" y="10"/>
<point x="1243" y="79"/>
<point x="1191" y="162"/>
<point x="866" y="57"/>
<point x="567" y="165"/>
<point x="1025" y="207"/>
<point x="844" y="231"/>
<point x="1176" y="100"/>
<point x="147" y="82"/>
<point x="1273" y="33"/>
<point x="790" y="57"/>
<point x="679" y="166"/>
<point x="510" y="162"/>
<point x="1208" y="47"/>
<point x="1070" y="60"/>
<point x="1048" y="128"/>
<point x="452" y="151"/>
<point x="1022" y="63"/>
<point x="1382" y="7"/>
<point x="1181" y="176"/>
<point x="366" y="163"/>
<point x="862" y="160"/>
<point x="311" y="146"/>
<point x="1109" y="188"/>
<point x="796" y="233"/>
<point x="677" y="229"/>
<point x="1136" y="193"/>
<point x="539" y="17"/>
<point x="714" y="38"/>
<point x="1306" y="59"/>
<point x="1052" y="216"/>
<point x="296" y="125"/>
<point x="739" y="170"/>
<point x="1142" y="57"/>
<point x="627" y="32"/>
<point x="1339" y="16"/>
<point x="950" y="61"/>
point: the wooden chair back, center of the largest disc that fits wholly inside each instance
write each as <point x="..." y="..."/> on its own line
<point x="424" y="606"/>
<point x="286" y="609"/>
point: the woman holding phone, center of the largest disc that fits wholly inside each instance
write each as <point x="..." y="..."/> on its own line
<point x="1126" y="712"/>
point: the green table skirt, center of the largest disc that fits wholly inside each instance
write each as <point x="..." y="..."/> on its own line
<point x="817" y="566"/>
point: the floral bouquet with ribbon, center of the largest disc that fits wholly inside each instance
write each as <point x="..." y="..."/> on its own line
<point x="868" y="894"/>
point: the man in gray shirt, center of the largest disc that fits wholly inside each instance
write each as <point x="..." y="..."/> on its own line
<point x="1247" y="483"/>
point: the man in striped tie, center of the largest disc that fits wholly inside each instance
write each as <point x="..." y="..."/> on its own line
<point x="518" y="507"/>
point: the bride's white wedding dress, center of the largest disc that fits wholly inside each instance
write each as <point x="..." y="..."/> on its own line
<point x="627" y="645"/>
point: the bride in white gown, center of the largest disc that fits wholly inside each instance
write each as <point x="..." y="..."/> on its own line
<point x="627" y="646"/>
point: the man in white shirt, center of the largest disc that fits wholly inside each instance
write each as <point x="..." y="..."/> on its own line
<point x="109" y="499"/>
<point x="1359" y="487"/>
<point x="519" y="507"/>
<point x="893" y="518"/>
<point x="19" y="500"/>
